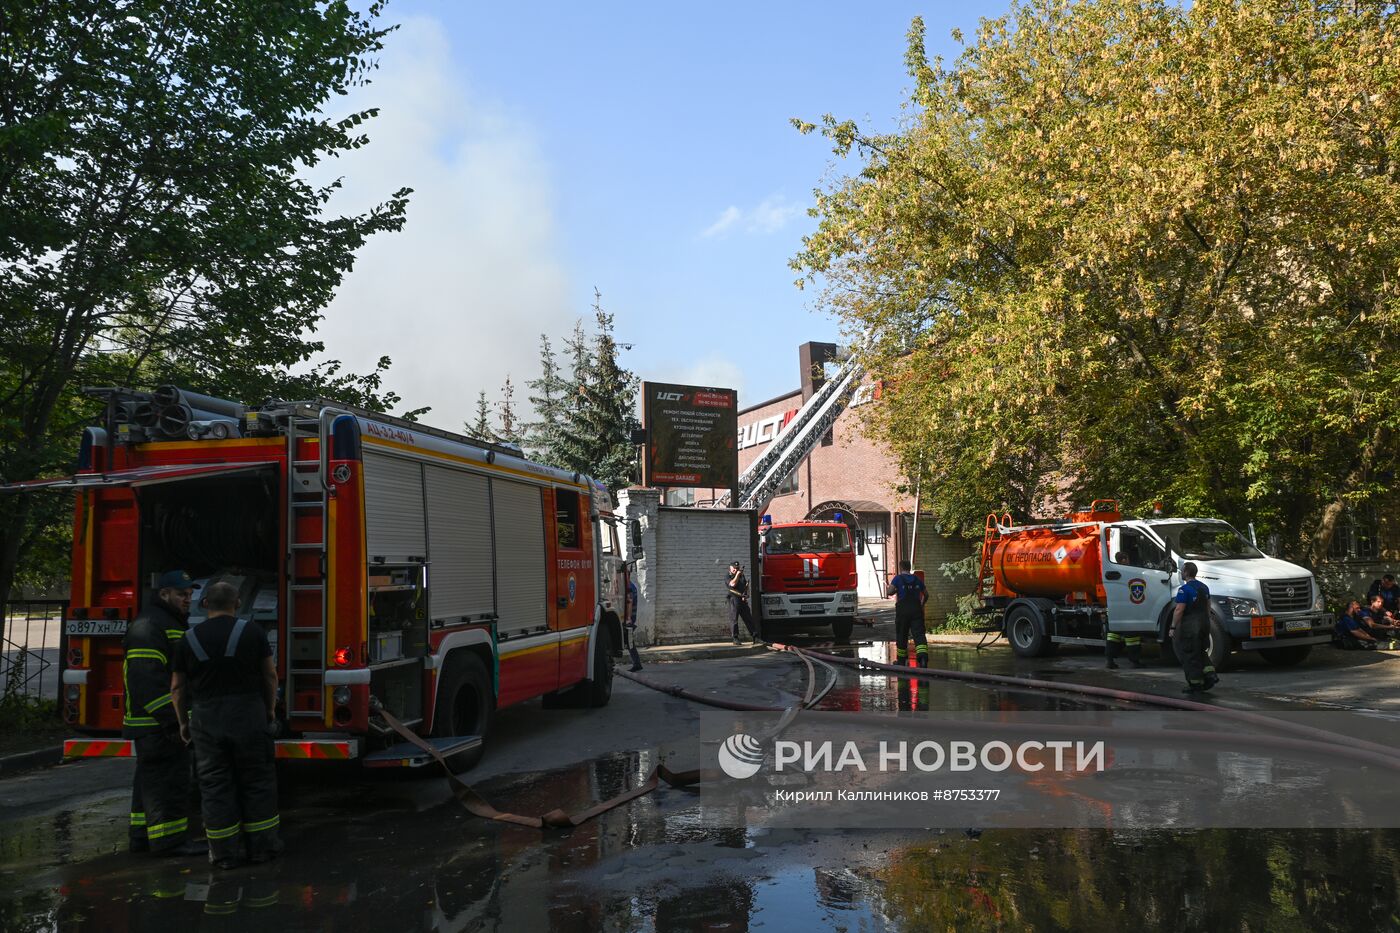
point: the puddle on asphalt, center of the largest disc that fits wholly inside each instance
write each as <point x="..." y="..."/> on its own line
<point x="370" y="853"/>
<point x="372" y="862"/>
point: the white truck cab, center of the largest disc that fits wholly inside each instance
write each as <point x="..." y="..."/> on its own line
<point x="1258" y="603"/>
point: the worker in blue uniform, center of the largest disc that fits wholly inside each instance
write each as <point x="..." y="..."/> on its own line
<point x="1190" y="631"/>
<point x="910" y="595"/>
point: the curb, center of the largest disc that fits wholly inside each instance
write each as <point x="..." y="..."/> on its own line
<point x="660" y="653"/>
<point x="28" y="761"/>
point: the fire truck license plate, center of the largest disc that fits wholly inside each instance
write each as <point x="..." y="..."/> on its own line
<point x="812" y="610"/>
<point x="95" y="627"/>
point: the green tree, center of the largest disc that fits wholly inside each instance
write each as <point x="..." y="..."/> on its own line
<point x="509" y="421"/>
<point x="1135" y="248"/>
<point x="597" y="431"/>
<point x="480" y="426"/>
<point x="547" y="400"/>
<point x="155" y="222"/>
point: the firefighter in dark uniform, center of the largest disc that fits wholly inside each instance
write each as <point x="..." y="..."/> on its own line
<point x="1190" y="631"/>
<point x="910" y="595"/>
<point x="160" y="794"/>
<point x="738" y="593"/>
<point x="224" y="668"/>
<point x="1122" y="644"/>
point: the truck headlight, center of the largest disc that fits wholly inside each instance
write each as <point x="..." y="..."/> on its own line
<point x="772" y="600"/>
<point x="1319" y="602"/>
<point x="1242" y="607"/>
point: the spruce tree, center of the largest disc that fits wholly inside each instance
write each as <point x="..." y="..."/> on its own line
<point x="546" y="397"/>
<point x="509" y="431"/>
<point x="573" y="448"/>
<point x="481" y="427"/>
<point x="597" y="436"/>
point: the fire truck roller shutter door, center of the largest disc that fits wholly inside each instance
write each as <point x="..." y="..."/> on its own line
<point x="521" y="589"/>
<point x="394" y="527"/>
<point x="459" y="526"/>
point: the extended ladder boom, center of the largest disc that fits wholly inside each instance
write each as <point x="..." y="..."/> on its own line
<point x="761" y="481"/>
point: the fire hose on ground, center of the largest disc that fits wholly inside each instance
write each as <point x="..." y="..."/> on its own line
<point x="1307" y="733"/>
<point x="479" y="806"/>
<point x="1307" y="739"/>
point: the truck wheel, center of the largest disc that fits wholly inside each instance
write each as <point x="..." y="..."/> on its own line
<point x="599" y="689"/>
<point x="841" y="630"/>
<point x="1219" y="645"/>
<point x="1025" y="634"/>
<point x="1286" y="657"/>
<point x="466" y="705"/>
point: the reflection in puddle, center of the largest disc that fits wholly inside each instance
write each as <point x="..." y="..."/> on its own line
<point x="372" y="854"/>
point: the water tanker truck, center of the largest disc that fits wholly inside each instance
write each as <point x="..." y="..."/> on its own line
<point x="1066" y="582"/>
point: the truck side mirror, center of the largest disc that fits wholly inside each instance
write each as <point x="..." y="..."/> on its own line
<point x="634" y="537"/>
<point x="860" y="546"/>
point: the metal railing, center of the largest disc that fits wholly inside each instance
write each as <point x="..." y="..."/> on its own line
<point x="31" y="645"/>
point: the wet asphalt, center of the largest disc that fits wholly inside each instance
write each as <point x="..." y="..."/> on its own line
<point x="375" y="851"/>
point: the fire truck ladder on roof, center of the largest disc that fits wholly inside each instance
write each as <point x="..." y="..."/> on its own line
<point x="306" y="566"/>
<point x="761" y="481"/>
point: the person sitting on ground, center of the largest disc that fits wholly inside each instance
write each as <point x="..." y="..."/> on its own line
<point x="1389" y="592"/>
<point x="1350" y="631"/>
<point x="1380" y="622"/>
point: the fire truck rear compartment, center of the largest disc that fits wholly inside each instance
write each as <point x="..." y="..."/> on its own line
<point x="211" y="526"/>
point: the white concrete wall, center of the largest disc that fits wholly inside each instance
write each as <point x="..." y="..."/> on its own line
<point x="694" y="548"/>
<point x="681" y="572"/>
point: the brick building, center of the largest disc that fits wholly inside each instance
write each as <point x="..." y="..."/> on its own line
<point x="848" y="473"/>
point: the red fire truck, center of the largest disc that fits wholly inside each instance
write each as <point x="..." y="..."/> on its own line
<point x="809" y="575"/>
<point x="393" y="566"/>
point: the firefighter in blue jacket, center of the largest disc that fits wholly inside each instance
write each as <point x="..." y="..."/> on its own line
<point x="910" y="595"/>
<point x="160" y="793"/>
<point x="1190" y="631"/>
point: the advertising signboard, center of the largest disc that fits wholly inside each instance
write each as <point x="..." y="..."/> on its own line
<point x="691" y="434"/>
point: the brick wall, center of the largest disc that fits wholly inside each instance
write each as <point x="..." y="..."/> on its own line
<point x="934" y="550"/>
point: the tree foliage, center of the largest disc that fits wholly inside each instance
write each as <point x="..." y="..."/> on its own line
<point x="595" y="432"/>
<point x="1135" y="248"/>
<point x="155" y="220"/>
<point x="546" y="398"/>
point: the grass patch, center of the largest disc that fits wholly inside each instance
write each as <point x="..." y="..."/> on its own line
<point x="28" y="723"/>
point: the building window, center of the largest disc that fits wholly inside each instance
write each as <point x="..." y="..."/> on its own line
<point x="1357" y="536"/>
<point x="680" y="497"/>
<point x="789" y="484"/>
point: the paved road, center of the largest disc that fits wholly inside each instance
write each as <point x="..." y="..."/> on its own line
<point x="392" y="852"/>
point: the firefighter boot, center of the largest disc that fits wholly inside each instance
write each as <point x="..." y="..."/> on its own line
<point x="1113" y="644"/>
<point x="1133" y="646"/>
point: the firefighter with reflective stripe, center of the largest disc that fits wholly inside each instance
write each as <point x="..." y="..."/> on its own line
<point x="910" y="595"/>
<point x="160" y="793"/>
<point x="1121" y="644"/>
<point x="224" y="668"/>
<point x="1190" y="631"/>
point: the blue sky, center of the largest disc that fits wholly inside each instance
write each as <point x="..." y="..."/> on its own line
<point x="641" y="149"/>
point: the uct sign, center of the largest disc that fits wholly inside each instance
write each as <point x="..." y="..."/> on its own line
<point x="769" y="429"/>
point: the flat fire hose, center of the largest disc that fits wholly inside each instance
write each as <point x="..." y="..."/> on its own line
<point x="479" y="806"/>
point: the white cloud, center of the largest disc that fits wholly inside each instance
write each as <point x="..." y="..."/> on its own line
<point x="459" y="297"/>
<point x="768" y="216"/>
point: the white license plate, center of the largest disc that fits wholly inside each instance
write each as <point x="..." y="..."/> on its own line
<point x="94" y="626"/>
<point x="1297" y="625"/>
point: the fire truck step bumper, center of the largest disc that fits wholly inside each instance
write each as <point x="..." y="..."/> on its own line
<point x="99" y="748"/>
<point x="408" y="755"/>
<point x="325" y="749"/>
